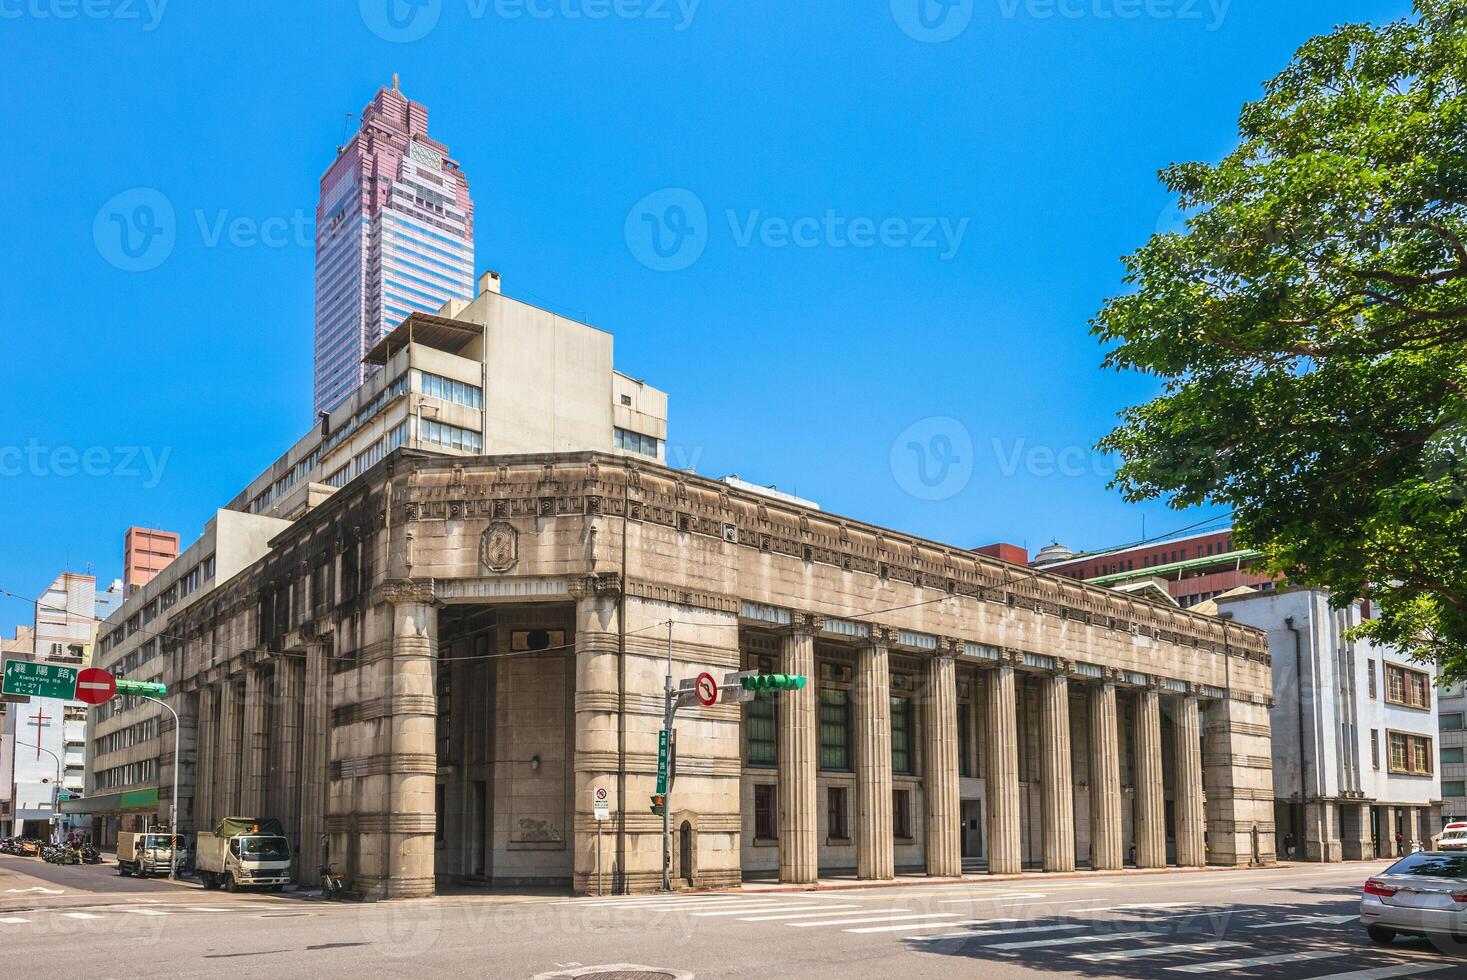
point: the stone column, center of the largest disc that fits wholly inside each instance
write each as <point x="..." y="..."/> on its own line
<point x="1237" y="775"/>
<point x="1107" y="847"/>
<point x="799" y="856"/>
<point x="1001" y="777"/>
<point x="1056" y="774"/>
<point x="315" y="761"/>
<point x="1355" y="843"/>
<point x="596" y="744"/>
<point x="1150" y="801"/>
<point x="411" y="764"/>
<point x="1191" y="818"/>
<point x="286" y="790"/>
<point x="255" y="752"/>
<point x="229" y="764"/>
<point x="944" y="844"/>
<point x="207" y="764"/>
<point x="1321" y="842"/>
<point x="874" y="847"/>
<point x="1413" y="828"/>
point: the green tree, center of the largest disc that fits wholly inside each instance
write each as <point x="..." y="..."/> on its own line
<point x="1310" y="329"/>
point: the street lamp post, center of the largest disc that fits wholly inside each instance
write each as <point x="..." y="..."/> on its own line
<point x="172" y="803"/>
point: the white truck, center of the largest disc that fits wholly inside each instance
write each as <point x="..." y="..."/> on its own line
<point x="144" y="854"/>
<point x="244" y="852"/>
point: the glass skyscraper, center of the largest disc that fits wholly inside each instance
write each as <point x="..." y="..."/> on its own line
<point x="394" y="235"/>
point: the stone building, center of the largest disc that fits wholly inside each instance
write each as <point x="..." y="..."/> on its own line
<point x="436" y="666"/>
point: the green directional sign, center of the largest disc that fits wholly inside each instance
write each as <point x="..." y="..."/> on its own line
<point x="39" y="680"/>
<point x="662" y="763"/>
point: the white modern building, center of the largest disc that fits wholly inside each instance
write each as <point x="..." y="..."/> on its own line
<point x="394" y="236"/>
<point x="1354" y="730"/>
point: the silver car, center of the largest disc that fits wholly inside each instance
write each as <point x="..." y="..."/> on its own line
<point x="1423" y="894"/>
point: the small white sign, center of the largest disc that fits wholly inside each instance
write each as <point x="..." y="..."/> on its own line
<point x="603" y="811"/>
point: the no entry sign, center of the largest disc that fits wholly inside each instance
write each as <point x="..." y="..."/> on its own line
<point x="95" y="686"/>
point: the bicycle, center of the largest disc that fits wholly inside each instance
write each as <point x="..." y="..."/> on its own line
<point x="331" y="884"/>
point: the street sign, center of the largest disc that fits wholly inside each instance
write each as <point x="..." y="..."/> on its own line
<point x="95" y="686"/>
<point x="39" y="680"/>
<point x="707" y="689"/>
<point x="662" y="762"/>
<point x="603" y="810"/>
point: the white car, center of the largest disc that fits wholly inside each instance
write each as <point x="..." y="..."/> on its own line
<point x="1422" y="894"/>
<point x="1452" y="839"/>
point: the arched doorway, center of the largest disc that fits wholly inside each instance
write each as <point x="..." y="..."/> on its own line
<point x="685" y="853"/>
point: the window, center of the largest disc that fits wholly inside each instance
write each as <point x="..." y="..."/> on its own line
<point x="1452" y="722"/>
<point x="1454" y="788"/>
<point x="1410" y="754"/>
<point x="340" y="478"/>
<point x="835" y="813"/>
<point x="902" y="758"/>
<point x="1370" y="677"/>
<point x="451" y="436"/>
<point x="637" y="443"/>
<point x="965" y="740"/>
<point x="766" y="825"/>
<point x="626" y="400"/>
<point x="835" y="729"/>
<point x="1453" y="757"/>
<point x="368" y="458"/>
<point x="1374" y="749"/>
<point x="1407" y="687"/>
<point x="760" y="729"/>
<point x="437" y="386"/>
<point x="398" y="436"/>
<point x="438" y="813"/>
<point x="901" y="814"/>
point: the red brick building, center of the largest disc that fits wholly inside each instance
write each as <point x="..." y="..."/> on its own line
<point x="1193" y="568"/>
<point x="145" y="553"/>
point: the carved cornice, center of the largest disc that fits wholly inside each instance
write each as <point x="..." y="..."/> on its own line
<point x="804" y="624"/>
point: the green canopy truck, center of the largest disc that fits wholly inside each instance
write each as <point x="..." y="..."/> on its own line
<point x="244" y="852"/>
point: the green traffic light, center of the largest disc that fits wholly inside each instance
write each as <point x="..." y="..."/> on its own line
<point x="774" y="682"/>
<point x="150" y="689"/>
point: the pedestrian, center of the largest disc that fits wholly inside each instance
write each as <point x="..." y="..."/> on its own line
<point x="1289" y="846"/>
<point x="1400" y="845"/>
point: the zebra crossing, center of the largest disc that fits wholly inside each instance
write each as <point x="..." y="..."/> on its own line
<point x="119" y="914"/>
<point x="1160" y="939"/>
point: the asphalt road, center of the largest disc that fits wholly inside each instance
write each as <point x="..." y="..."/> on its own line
<point x="1296" y="922"/>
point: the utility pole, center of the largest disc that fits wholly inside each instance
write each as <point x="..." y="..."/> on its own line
<point x="173" y="843"/>
<point x="669" y="707"/>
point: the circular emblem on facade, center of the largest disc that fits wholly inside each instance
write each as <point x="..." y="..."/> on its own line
<point x="499" y="549"/>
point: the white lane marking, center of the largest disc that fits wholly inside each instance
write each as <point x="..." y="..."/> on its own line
<point x="1305" y="920"/>
<point x="13" y="921"/>
<point x="142" y="912"/>
<point x="690" y="906"/>
<point x="1384" y="972"/>
<point x="867" y="920"/>
<point x="1134" y="954"/>
<point x="989" y="933"/>
<point x="1299" y="957"/>
<point x="80" y="915"/>
<point x="654" y="901"/>
<point x="43" y="891"/>
<point x="921" y="925"/>
<point x="813" y="912"/>
<point x="1139" y="907"/>
<point x="767" y="908"/>
<point x="201" y="908"/>
<point x="1073" y="940"/>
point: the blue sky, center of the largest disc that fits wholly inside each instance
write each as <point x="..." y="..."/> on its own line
<point x="881" y="234"/>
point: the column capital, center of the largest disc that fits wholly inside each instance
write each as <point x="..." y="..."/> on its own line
<point x="882" y="636"/>
<point x="1011" y="657"/>
<point x="1064" y="667"/>
<point x="407" y="591"/>
<point x="949" y="647"/>
<point x="804" y="624"/>
<point x="601" y="584"/>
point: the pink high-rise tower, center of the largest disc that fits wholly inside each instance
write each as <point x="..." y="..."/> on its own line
<point x="394" y="235"/>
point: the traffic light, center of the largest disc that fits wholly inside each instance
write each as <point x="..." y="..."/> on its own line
<point x="151" y="689"/>
<point x="774" y="682"/>
<point x="659" y="804"/>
